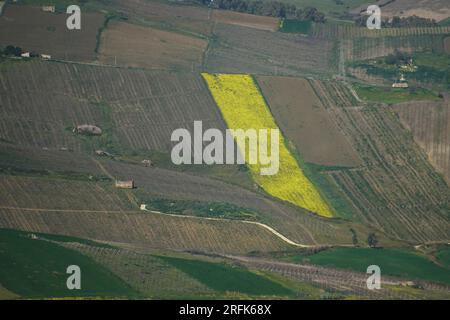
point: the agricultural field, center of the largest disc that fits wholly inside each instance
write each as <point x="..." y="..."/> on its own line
<point x="431" y="9"/>
<point x="429" y="123"/>
<point x="51" y="193"/>
<point x="147" y="230"/>
<point x="137" y="110"/>
<point x="238" y="49"/>
<point x="350" y="31"/>
<point x="189" y="20"/>
<point x="393" y="262"/>
<point x="168" y="50"/>
<point x="291" y="221"/>
<point x="245" y="20"/>
<point x="370" y="48"/>
<point x="151" y="276"/>
<point x="87" y="175"/>
<point x="340" y="284"/>
<point x="243" y="107"/>
<point x="46" y="33"/>
<point x="301" y="116"/>
<point x="397" y="189"/>
<point x="37" y="269"/>
<point x="332" y="9"/>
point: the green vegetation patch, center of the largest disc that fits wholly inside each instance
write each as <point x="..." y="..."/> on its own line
<point x="227" y="278"/>
<point x="199" y="208"/>
<point x="428" y="67"/>
<point x="394" y="262"/>
<point x="36" y="268"/>
<point x="394" y="95"/>
<point x="295" y="26"/>
<point x="443" y="256"/>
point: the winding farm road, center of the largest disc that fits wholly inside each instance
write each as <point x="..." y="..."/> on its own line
<point x="262" y="225"/>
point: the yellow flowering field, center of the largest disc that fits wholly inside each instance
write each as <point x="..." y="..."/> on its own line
<point x="243" y="107"/>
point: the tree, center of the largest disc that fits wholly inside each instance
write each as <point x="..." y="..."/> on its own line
<point x="12" y="51"/>
<point x="372" y="240"/>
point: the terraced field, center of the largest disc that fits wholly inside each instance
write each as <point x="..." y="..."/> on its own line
<point x="244" y="50"/>
<point x="396" y="189"/>
<point x="149" y="230"/>
<point x="149" y="275"/>
<point x="429" y="123"/>
<point x="302" y="117"/>
<point x="372" y="47"/>
<point x="60" y="194"/>
<point x="184" y="19"/>
<point x="243" y="107"/>
<point x="136" y="109"/>
<point x="245" y="20"/>
<point x="348" y="31"/>
<point x="341" y="283"/>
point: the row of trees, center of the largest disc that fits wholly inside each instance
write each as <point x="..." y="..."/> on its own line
<point x="267" y="8"/>
<point x="398" y="22"/>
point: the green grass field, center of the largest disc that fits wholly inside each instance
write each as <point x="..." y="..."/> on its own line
<point x="432" y="60"/>
<point x="394" y="262"/>
<point x="295" y="26"/>
<point x="443" y="256"/>
<point x="37" y="269"/>
<point x="226" y="278"/>
<point x="393" y="95"/>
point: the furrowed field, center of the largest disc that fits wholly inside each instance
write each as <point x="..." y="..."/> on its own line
<point x="396" y="189"/>
<point x="46" y="33"/>
<point x="169" y="50"/>
<point x="238" y="49"/>
<point x="429" y="123"/>
<point x="243" y="107"/>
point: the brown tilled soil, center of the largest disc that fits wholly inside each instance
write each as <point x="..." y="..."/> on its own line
<point x="304" y="120"/>
<point x="245" y="20"/>
<point x="131" y="45"/>
<point x="46" y="33"/>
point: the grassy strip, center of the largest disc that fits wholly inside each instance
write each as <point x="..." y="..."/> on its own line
<point x="199" y="208"/>
<point x="295" y="26"/>
<point x="393" y="95"/>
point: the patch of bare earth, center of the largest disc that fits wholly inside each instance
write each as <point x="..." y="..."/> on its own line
<point x="136" y="46"/>
<point x="46" y="33"/>
<point x="246" y="20"/>
<point x="305" y="121"/>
